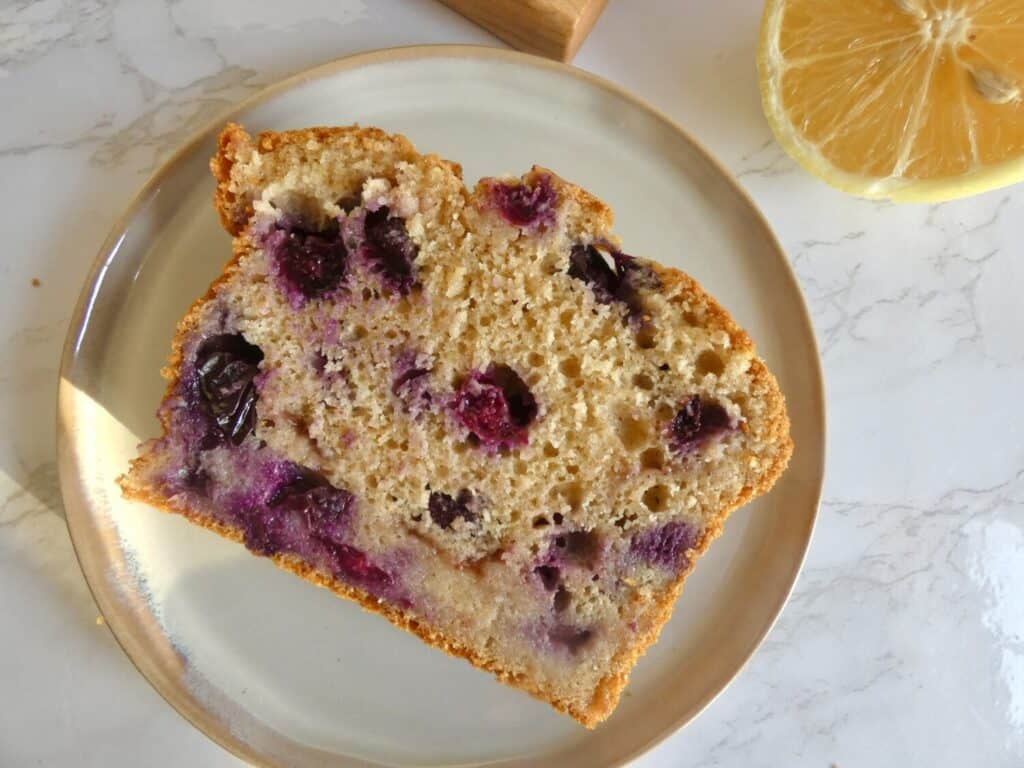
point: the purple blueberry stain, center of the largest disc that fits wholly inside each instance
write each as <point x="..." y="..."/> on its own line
<point x="389" y="249"/>
<point x="296" y="510"/>
<point x="328" y="362"/>
<point x="264" y="532"/>
<point x="573" y="639"/>
<point x="445" y="509"/>
<point x="665" y="546"/>
<point x="197" y="480"/>
<point x="496" y="407"/>
<point x="696" y="422"/>
<point x="353" y="565"/>
<point x="525" y="205"/>
<point x="309" y="263"/>
<point x="331" y="330"/>
<point x="190" y="478"/>
<point x="225" y="368"/>
<point x="279" y="507"/>
<point x="410" y="380"/>
<point x="319" y="363"/>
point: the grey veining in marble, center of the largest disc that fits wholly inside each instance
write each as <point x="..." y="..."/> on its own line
<point x="904" y="641"/>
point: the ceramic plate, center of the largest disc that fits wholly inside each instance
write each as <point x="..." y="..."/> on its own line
<point x="282" y="673"/>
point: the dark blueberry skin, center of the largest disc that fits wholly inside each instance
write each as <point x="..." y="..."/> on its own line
<point x="444" y="509"/>
<point x="226" y="365"/>
<point x="665" y="546"/>
<point x="326" y="509"/>
<point x="390" y="250"/>
<point x="610" y="285"/>
<point x="549" y="576"/>
<point x="586" y="263"/>
<point x="303" y="510"/>
<point x="309" y="263"/>
<point x="524" y="205"/>
<point x="697" y="421"/>
<point x="687" y="421"/>
<point x="496" y="406"/>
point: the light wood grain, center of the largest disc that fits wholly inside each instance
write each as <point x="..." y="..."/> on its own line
<point x="552" y="28"/>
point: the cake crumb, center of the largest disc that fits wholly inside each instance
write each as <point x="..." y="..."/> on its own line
<point x="100" y="621"/>
<point x="36" y="282"/>
<point x="503" y="331"/>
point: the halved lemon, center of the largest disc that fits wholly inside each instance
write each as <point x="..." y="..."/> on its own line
<point x="899" y="99"/>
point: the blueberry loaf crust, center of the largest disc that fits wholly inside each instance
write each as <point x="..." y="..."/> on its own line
<point x="469" y="411"/>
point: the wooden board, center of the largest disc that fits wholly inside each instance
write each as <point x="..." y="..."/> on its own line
<point x="552" y="28"/>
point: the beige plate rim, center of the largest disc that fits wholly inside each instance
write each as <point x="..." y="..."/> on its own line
<point x="92" y="546"/>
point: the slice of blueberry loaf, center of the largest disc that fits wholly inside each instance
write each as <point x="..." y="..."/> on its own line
<point x="469" y="411"/>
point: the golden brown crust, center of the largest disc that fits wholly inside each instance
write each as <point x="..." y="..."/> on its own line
<point x="235" y="146"/>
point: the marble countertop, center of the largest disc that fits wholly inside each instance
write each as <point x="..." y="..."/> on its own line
<point x="903" y="643"/>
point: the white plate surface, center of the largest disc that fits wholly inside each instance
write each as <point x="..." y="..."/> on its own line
<point x="286" y="674"/>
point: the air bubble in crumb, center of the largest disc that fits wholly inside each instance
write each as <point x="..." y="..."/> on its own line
<point x="570" y="367"/>
<point x="656" y="498"/>
<point x="572" y="493"/>
<point x="710" y="362"/>
<point x="647" y="337"/>
<point x="643" y="381"/>
<point x="632" y="431"/>
<point x="652" y="458"/>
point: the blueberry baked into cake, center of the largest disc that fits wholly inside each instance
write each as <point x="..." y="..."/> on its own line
<point x="469" y="411"/>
